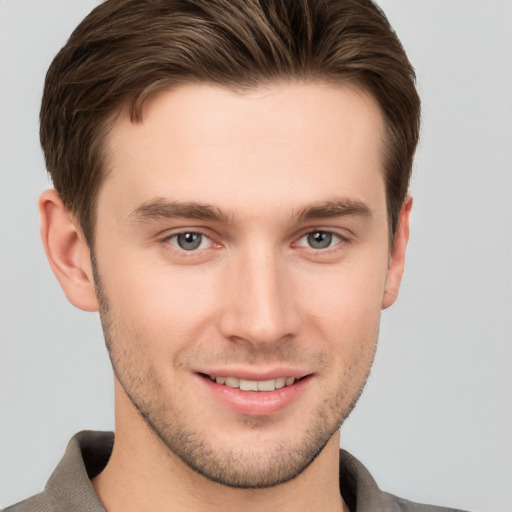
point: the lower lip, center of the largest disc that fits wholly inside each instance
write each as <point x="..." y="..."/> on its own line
<point x="257" y="403"/>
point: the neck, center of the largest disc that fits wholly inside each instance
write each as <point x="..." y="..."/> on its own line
<point x="143" y="473"/>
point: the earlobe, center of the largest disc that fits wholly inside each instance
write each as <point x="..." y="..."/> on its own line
<point x="397" y="257"/>
<point x="67" y="252"/>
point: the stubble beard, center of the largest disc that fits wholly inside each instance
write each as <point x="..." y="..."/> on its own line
<point x="246" y="468"/>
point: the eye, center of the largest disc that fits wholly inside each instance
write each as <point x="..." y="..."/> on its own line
<point x="319" y="240"/>
<point x="190" y="241"/>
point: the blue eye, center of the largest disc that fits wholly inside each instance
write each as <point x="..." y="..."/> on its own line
<point x="319" y="240"/>
<point x="190" y="241"/>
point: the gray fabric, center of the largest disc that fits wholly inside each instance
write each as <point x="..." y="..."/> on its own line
<point x="69" y="489"/>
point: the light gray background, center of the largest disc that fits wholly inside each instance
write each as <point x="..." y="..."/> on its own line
<point x="435" y="422"/>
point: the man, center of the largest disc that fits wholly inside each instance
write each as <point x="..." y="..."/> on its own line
<point x="231" y="194"/>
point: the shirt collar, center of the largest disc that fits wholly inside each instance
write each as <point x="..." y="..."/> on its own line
<point x="88" y="452"/>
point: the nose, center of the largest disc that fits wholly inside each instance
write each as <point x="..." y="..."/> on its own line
<point x="259" y="306"/>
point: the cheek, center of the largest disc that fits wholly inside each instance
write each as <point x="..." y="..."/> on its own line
<point x="344" y="314"/>
<point x="346" y="299"/>
<point x="165" y="306"/>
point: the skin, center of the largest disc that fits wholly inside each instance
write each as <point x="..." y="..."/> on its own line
<point x="257" y="297"/>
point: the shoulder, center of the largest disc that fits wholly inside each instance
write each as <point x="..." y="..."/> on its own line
<point x="362" y="494"/>
<point x="69" y="488"/>
<point x="403" y="505"/>
<point x="38" y="503"/>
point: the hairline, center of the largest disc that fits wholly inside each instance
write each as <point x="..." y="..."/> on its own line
<point x="134" y="105"/>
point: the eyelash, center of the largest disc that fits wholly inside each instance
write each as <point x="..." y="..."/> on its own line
<point x="175" y="236"/>
<point x="331" y="237"/>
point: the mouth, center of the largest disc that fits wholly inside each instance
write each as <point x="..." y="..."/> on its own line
<point x="257" y="395"/>
<point x="267" y="385"/>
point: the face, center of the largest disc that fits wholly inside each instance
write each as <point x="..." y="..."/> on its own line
<point x="241" y="260"/>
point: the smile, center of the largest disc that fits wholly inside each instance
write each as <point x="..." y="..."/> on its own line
<point x="254" y="385"/>
<point x="250" y="394"/>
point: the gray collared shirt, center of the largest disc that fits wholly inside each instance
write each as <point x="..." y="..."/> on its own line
<point x="69" y="488"/>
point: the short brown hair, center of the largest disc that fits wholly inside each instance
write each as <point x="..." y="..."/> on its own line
<point x="125" y="50"/>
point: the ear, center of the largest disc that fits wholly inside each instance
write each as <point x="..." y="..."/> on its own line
<point x="67" y="251"/>
<point x="397" y="257"/>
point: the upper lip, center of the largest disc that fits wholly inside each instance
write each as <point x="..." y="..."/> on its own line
<point x="255" y="375"/>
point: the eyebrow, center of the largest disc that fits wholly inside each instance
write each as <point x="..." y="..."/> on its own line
<point x="338" y="207"/>
<point x="159" y="208"/>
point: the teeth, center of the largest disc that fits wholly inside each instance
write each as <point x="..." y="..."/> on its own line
<point x="254" y="385"/>
<point x="232" y="382"/>
<point x="248" y="385"/>
<point x="280" y="382"/>
<point x="266" y="385"/>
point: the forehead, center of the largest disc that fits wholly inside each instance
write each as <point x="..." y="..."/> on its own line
<point x="292" y="140"/>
